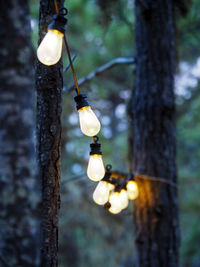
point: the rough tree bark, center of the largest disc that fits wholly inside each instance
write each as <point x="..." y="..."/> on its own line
<point x="156" y="209"/>
<point x="49" y="84"/>
<point x="19" y="231"/>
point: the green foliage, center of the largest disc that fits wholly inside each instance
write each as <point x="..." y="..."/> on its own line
<point x="188" y="33"/>
<point x="189" y="170"/>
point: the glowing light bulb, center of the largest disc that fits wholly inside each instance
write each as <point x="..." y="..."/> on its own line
<point x="50" y="50"/>
<point x="132" y="190"/>
<point x="95" y="170"/>
<point x="123" y="195"/>
<point x="89" y="123"/>
<point x="111" y="186"/>
<point x="101" y="193"/>
<point x="114" y="210"/>
<point x="115" y="202"/>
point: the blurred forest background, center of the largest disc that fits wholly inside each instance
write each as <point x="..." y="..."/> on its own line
<point x="98" y="33"/>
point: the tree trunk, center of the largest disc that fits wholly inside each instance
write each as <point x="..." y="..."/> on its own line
<point x="19" y="231"/>
<point x="156" y="209"/>
<point x="49" y="84"/>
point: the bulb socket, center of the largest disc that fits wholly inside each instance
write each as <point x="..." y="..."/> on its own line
<point x="106" y="177"/>
<point x="81" y="101"/>
<point x="118" y="188"/>
<point x="130" y="177"/>
<point x="123" y="186"/>
<point x="95" y="149"/>
<point x="58" y="23"/>
<point x="107" y="205"/>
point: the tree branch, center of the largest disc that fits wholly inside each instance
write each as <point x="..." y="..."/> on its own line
<point x="102" y="69"/>
<point x="68" y="66"/>
<point x="74" y="178"/>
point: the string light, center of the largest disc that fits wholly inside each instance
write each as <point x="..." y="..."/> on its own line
<point x="111" y="192"/>
<point x="89" y="123"/>
<point x="50" y="49"/>
<point x="101" y="192"/>
<point x="49" y="53"/>
<point x="95" y="170"/>
<point x="123" y="195"/>
<point x="115" y="202"/>
<point x="132" y="189"/>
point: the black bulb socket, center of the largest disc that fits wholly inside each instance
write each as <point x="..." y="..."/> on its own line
<point x="58" y="23"/>
<point x="107" y="205"/>
<point x="106" y="177"/>
<point x="81" y="101"/>
<point x="95" y="149"/>
<point x="123" y="186"/>
<point x="130" y="177"/>
<point x="118" y="188"/>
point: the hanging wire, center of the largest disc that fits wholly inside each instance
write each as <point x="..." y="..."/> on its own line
<point x="155" y="179"/>
<point x="56" y="7"/>
<point x="71" y="65"/>
<point x="95" y="139"/>
<point x="121" y="176"/>
<point x="68" y="66"/>
<point x="68" y="52"/>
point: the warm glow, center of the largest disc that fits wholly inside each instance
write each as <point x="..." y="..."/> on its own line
<point x="50" y="49"/>
<point x="95" y="170"/>
<point x="111" y="186"/>
<point x="101" y="193"/>
<point x="132" y="190"/>
<point x="115" y="202"/>
<point x="123" y="195"/>
<point x="89" y="123"/>
<point x="114" y="210"/>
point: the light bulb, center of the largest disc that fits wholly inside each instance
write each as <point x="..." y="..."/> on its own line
<point x="50" y="49"/>
<point x="123" y="195"/>
<point x="132" y="190"/>
<point x="114" y="210"/>
<point x="89" y="123"/>
<point x="95" y="170"/>
<point x="111" y="186"/>
<point x="115" y="202"/>
<point x="101" y="193"/>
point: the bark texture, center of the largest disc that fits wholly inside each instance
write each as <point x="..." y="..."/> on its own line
<point x="19" y="231"/>
<point x="156" y="211"/>
<point x="49" y="84"/>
